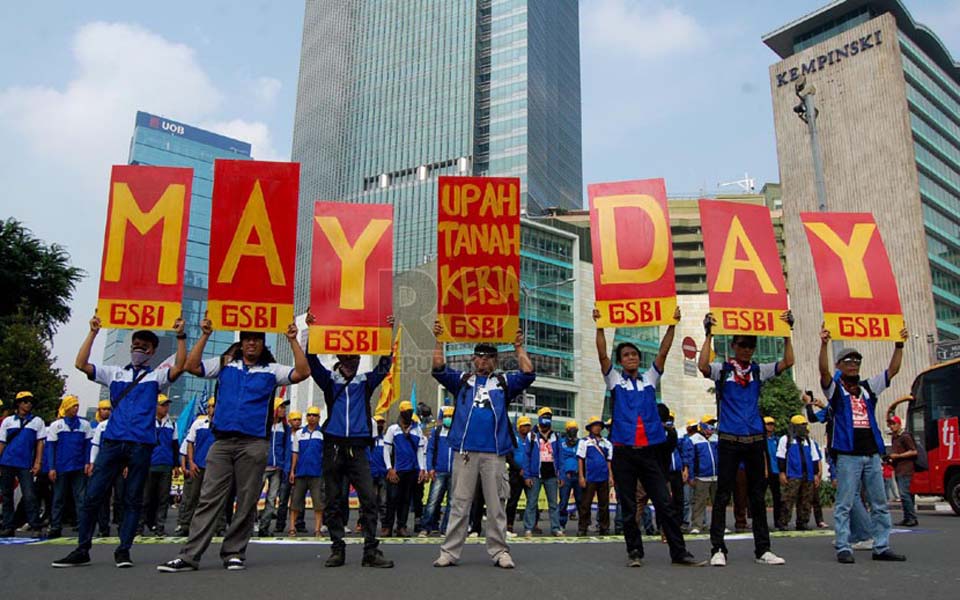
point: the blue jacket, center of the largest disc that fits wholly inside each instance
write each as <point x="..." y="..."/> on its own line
<point x="843" y="430"/>
<point x="532" y="466"/>
<point x="404" y="451"/>
<point x="739" y="404"/>
<point x="521" y="451"/>
<point x="20" y="437"/>
<point x="348" y="401"/>
<point x="464" y="388"/>
<point x="201" y="436"/>
<point x="633" y="405"/>
<point x="795" y="457"/>
<point x="279" y="435"/>
<point x="685" y="446"/>
<point x="67" y="444"/>
<point x="772" y="444"/>
<point x="133" y="417"/>
<point x="308" y="446"/>
<point x="676" y="460"/>
<point x="596" y="453"/>
<point x="378" y="468"/>
<point x="288" y="451"/>
<point x="166" y="452"/>
<point x="566" y="456"/>
<point x="703" y="461"/>
<point x="245" y="395"/>
<point x="439" y="452"/>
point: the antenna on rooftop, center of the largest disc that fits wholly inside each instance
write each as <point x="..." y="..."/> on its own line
<point x="747" y="184"/>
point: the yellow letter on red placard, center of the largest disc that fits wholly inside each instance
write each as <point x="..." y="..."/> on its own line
<point x="353" y="259"/>
<point x="254" y="218"/>
<point x="851" y="254"/>
<point x="730" y="264"/>
<point x="611" y="271"/>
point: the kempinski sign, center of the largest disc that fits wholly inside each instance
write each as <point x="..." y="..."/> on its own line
<point x="823" y="61"/>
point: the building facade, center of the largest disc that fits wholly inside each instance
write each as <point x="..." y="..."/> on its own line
<point x="888" y="99"/>
<point x="158" y="141"/>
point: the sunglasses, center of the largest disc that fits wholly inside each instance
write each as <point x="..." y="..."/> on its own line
<point x="746" y="346"/>
<point x="852" y="361"/>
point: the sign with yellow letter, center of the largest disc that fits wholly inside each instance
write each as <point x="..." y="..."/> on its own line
<point x="632" y="253"/>
<point x="351" y="284"/>
<point x="857" y="287"/>
<point x="253" y="245"/>
<point x="144" y="246"/>
<point x="744" y="276"/>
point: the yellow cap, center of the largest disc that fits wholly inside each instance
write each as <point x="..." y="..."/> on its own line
<point x="379" y="417"/>
<point x="707" y="418"/>
<point x="446" y="410"/>
<point x="313" y="410"/>
<point x="692" y="422"/>
<point x="68" y="402"/>
<point x="104" y="404"/>
<point x="673" y="415"/>
<point x="211" y="401"/>
<point x="405" y="405"/>
<point x="769" y="420"/>
<point x="294" y="416"/>
<point x="278" y="402"/>
<point x="798" y="420"/>
<point x="22" y="395"/>
<point x="571" y="425"/>
<point x="546" y="410"/>
<point x="594" y="420"/>
<point x="523" y="421"/>
<point x="162" y="399"/>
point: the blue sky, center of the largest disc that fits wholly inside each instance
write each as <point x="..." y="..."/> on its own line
<point x="670" y="89"/>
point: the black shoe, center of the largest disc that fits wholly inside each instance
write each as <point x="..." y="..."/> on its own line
<point x="181" y="532"/>
<point x="104" y="533"/>
<point x="122" y="559"/>
<point x="845" y="558"/>
<point x="635" y="559"/>
<point x="402" y="532"/>
<point x="77" y="558"/>
<point x="910" y="523"/>
<point x="687" y="560"/>
<point x="234" y="564"/>
<point x="338" y="557"/>
<point x="177" y="565"/>
<point x="54" y="534"/>
<point x="374" y="558"/>
<point x="889" y="556"/>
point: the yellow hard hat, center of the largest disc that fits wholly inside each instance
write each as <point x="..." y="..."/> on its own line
<point x="692" y="422"/>
<point x="162" y="399"/>
<point x="446" y="410"/>
<point x="546" y="410"/>
<point x="278" y="402"/>
<point x="769" y="420"/>
<point x="594" y="420"/>
<point x="104" y="404"/>
<point x="25" y="394"/>
<point x="707" y="418"/>
<point x="405" y="405"/>
<point x="294" y="416"/>
<point x="673" y="415"/>
<point x="313" y="410"/>
<point x="211" y="401"/>
<point x="798" y="420"/>
<point x="572" y="425"/>
<point x="68" y="402"/>
<point x="379" y="418"/>
<point x="523" y="421"/>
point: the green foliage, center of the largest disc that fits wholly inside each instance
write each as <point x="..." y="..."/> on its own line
<point x="780" y="399"/>
<point x="828" y="494"/>
<point x="26" y="364"/>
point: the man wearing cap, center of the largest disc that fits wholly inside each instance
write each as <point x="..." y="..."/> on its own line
<point x="569" y="467"/>
<point x="156" y="497"/>
<point x="903" y="455"/>
<point x="742" y="434"/>
<point x="481" y="435"/>
<point x="703" y="470"/>
<point x="773" y="469"/>
<point x="128" y="440"/>
<point x="294" y="422"/>
<point x="378" y="473"/>
<point x="21" y="452"/>
<point x="348" y="434"/>
<point x="519" y="482"/>
<point x="439" y="461"/>
<point x="594" y="454"/>
<point x="541" y="469"/>
<point x="306" y="472"/>
<point x="858" y="443"/>
<point x="275" y="460"/>
<point x="798" y="459"/>
<point x="67" y="447"/>
<point x="674" y="470"/>
<point x="638" y="439"/>
<point x="246" y="385"/>
<point x="404" y="453"/>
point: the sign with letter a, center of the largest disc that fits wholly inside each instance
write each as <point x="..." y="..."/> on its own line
<point x="253" y="245"/>
<point x="144" y="247"/>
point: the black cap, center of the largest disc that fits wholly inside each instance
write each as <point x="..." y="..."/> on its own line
<point x="484" y="348"/>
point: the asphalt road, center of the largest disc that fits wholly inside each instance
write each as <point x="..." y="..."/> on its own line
<point x="546" y="569"/>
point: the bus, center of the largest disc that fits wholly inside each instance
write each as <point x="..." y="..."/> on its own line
<point x="932" y="418"/>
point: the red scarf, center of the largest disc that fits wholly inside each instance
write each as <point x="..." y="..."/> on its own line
<point x="741" y="374"/>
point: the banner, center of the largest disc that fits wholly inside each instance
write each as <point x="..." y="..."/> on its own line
<point x="632" y="253"/>
<point x="144" y="246"/>
<point x="478" y="258"/>
<point x="253" y="245"/>
<point x="351" y="278"/>
<point x="744" y="275"/>
<point x="390" y="387"/>
<point x="857" y="287"/>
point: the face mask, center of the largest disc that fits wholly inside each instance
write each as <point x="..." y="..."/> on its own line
<point x="572" y="434"/>
<point x="545" y="421"/>
<point x="447" y="421"/>
<point x="380" y="429"/>
<point x="138" y="358"/>
<point x="406" y="415"/>
<point x="708" y="430"/>
<point x="851" y="379"/>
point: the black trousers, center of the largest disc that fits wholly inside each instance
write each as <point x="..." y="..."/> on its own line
<point x="516" y="490"/>
<point x="675" y="483"/>
<point x="345" y="465"/>
<point x="729" y="456"/>
<point x="156" y="499"/>
<point x="398" y="499"/>
<point x="632" y="465"/>
<point x="773" y="483"/>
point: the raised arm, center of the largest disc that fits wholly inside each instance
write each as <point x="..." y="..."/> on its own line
<point x="667" y="341"/>
<point x="194" y="364"/>
<point x="605" y="362"/>
<point x="703" y="361"/>
<point x="897" y="359"/>
<point x="826" y="369"/>
<point x="83" y="355"/>
<point x="301" y="370"/>
<point x="787" y="361"/>
<point x="523" y="359"/>
<point x="181" y="359"/>
<point x="438" y="360"/>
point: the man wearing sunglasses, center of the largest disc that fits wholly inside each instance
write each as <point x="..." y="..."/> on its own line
<point x="742" y="436"/>
<point x="858" y="443"/>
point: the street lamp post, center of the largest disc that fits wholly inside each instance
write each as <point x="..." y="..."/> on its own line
<point x="807" y="111"/>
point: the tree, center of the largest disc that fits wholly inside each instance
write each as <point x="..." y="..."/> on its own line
<point x="780" y="399"/>
<point x="26" y="364"/>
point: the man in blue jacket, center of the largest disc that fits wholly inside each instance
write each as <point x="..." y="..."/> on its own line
<point x="21" y="455"/>
<point x="67" y="446"/>
<point x="773" y="470"/>
<point x="378" y="473"/>
<point x="275" y="461"/>
<point x="294" y="421"/>
<point x="567" y="467"/>
<point x="439" y="461"/>
<point x="481" y="435"/>
<point x="541" y="469"/>
<point x="404" y="453"/>
<point x="519" y="482"/>
<point x="858" y="443"/>
<point x="163" y="462"/>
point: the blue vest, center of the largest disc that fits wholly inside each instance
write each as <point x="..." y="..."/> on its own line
<point x="309" y="453"/>
<point x="566" y="457"/>
<point x="797" y="457"/>
<point x="133" y="417"/>
<point x="20" y="437"/>
<point x="704" y="456"/>
<point x="278" y="445"/>
<point x="165" y="452"/>
<point x="201" y="445"/>
<point x="288" y="451"/>
<point x="405" y="448"/>
<point x="439" y="452"/>
<point x="245" y="399"/>
<point x="378" y="468"/>
<point x="739" y="405"/>
<point x="676" y="460"/>
<point x="595" y="459"/>
<point x="532" y="467"/>
<point x="772" y="455"/>
<point x="348" y="402"/>
<point x="68" y="443"/>
<point x="842" y="440"/>
<point x="636" y="419"/>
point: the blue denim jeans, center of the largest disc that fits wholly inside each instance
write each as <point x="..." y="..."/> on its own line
<point x="114" y="456"/>
<point x="73" y="483"/>
<point x="7" y="477"/>
<point x="571" y="485"/>
<point x="439" y="488"/>
<point x="906" y="498"/>
<point x="551" y="486"/>
<point x="854" y="473"/>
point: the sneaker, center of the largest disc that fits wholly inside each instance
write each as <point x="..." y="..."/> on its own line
<point x="122" y="559"/>
<point x="845" y="558"/>
<point x="864" y="545"/>
<point x="177" y="565"/>
<point x="423" y="534"/>
<point x="504" y="561"/>
<point x="77" y="558"/>
<point x="444" y="561"/>
<point x="695" y="531"/>
<point x="374" y="558"/>
<point x="687" y="560"/>
<point x="719" y="559"/>
<point x="474" y="535"/>
<point x="635" y="559"/>
<point x="184" y="532"/>
<point x="324" y="530"/>
<point x="338" y="557"/>
<point x="511" y="535"/>
<point x="234" y="563"/>
<point x="559" y="534"/>
<point x="823" y="525"/>
<point x="528" y="534"/>
<point x="889" y="556"/>
<point x="769" y="558"/>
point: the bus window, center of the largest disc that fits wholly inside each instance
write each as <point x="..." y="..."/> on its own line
<point x="940" y="389"/>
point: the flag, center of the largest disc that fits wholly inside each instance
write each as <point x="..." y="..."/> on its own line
<point x="390" y="388"/>
<point x="186" y="417"/>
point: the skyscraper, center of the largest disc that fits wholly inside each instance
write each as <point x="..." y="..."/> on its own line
<point x="158" y="141"/>
<point x="393" y="94"/>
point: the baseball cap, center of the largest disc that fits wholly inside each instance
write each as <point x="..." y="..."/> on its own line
<point x="847" y="353"/>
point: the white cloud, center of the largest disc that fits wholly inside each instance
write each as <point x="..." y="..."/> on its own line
<point x="258" y="134"/>
<point x="266" y="89"/>
<point x="638" y="30"/>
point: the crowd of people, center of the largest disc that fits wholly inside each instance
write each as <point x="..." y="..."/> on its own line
<point x="473" y="460"/>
